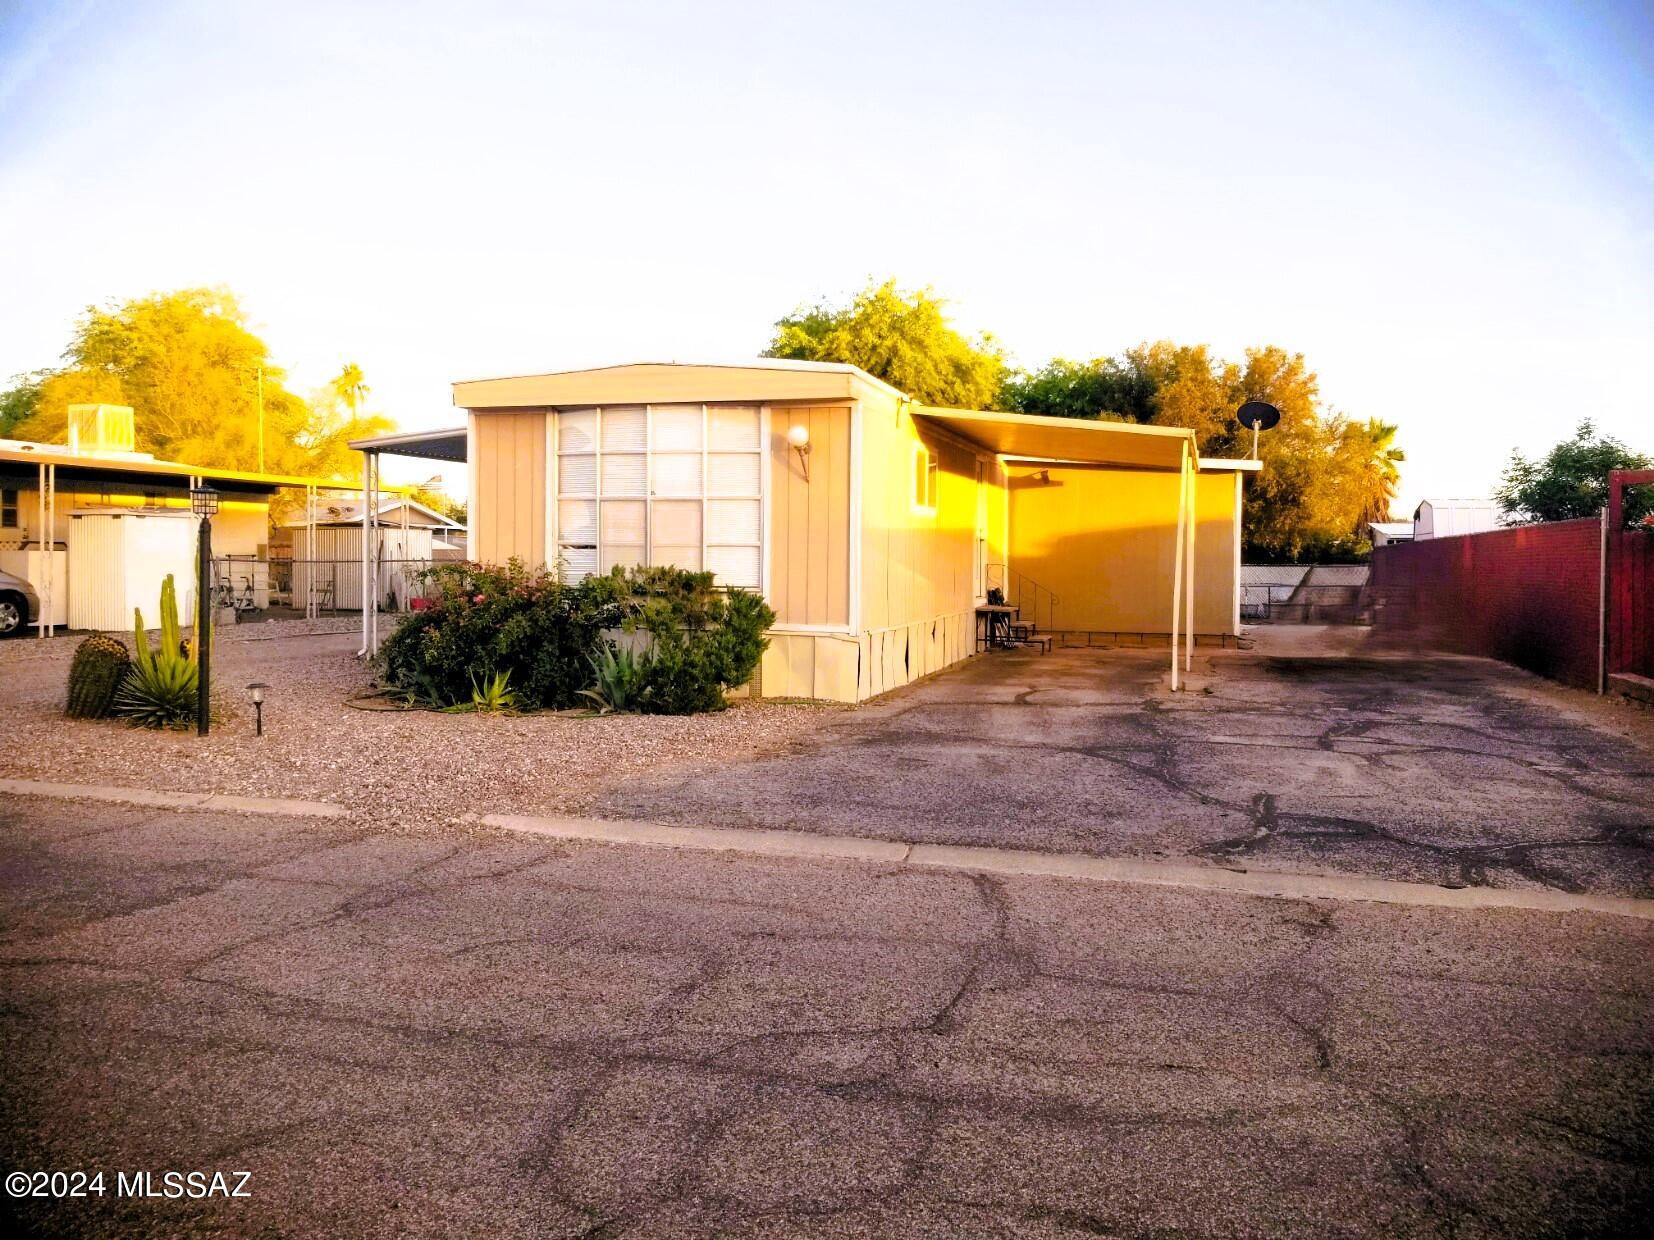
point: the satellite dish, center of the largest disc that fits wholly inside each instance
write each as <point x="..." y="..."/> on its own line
<point x="1259" y="415"/>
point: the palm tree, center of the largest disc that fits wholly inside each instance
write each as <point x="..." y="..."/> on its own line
<point x="1374" y="460"/>
<point x="351" y="388"/>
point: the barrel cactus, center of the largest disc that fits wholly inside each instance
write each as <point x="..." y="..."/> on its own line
<point x="99" y="666"/>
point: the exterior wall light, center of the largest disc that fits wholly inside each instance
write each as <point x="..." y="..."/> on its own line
<point x="799" y="437"/>
<point x="257" y="689"/>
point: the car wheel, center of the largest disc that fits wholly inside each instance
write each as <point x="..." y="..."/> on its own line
<point x="13" y="611"/>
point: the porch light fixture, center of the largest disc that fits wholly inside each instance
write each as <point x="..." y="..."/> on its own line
<point x="204" y="501"/>
<point x="799" y="437"/>
<point x="257" y="689"/>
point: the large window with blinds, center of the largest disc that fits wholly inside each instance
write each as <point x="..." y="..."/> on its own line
<point x="661" y="484"/>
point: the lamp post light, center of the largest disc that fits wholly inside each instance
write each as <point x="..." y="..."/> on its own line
<point x="203" y="503"/>
<point x="257" y="689"/>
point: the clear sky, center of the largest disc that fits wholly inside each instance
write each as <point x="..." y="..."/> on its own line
<point x="1447" y="207"/>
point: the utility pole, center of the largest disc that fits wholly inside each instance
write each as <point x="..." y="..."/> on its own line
<point x="261" y="417"/>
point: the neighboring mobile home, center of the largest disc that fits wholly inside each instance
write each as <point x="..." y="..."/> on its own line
<point x="95" y="525"/>
<point x="874" y="525"/>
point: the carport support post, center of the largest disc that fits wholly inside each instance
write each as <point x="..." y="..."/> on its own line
<point x="1177" y="556"/>
<point x="1189" y="596"/>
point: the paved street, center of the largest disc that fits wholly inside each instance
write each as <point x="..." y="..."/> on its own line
<point x="1425" y="769"/>
<point x="493" y="1035"/>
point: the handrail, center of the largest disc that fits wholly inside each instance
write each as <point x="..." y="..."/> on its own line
<point x="1025" y="594"/>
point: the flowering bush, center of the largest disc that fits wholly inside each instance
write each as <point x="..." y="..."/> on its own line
<point x="547" y="637"/>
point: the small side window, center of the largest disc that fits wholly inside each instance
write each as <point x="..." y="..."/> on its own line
<point x="924" y="480"/>
<point x="8" y="509"/>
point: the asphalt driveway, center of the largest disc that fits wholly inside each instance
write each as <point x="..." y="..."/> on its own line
<point x="443" y="1035"/>
<point x="1429" y="769"/>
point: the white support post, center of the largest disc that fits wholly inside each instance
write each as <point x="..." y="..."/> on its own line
<point x="1177" y="560"/>
<point x="1189" y="597"/>
<point x="367" y="503"/>
<point x="310" y="609"/>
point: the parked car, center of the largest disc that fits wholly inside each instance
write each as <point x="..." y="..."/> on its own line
<point x="19" y="605"/>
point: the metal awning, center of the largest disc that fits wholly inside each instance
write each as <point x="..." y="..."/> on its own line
<point x="444" y="445"/>
<point x="1028" y="437"/>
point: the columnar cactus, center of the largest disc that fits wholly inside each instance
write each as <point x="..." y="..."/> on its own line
<point x="99" y="666"/>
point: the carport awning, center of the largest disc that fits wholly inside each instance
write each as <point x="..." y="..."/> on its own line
<point x="445" y="445"/>
<point x="1066" y="439"/>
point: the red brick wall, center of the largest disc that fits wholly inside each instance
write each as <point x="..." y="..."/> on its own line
<point x="1528" y="595"/>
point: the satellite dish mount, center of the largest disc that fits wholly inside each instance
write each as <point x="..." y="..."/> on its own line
<point x="1260" y="415"/>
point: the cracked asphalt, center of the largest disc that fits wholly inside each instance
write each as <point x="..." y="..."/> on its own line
<point x="1420" y="768"/>
<point x="494" y="1035"/>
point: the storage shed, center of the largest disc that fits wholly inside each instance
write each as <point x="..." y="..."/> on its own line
<point x="118" y="560"/>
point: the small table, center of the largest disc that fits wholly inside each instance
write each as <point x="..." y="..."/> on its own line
<point x="993" y="625"/>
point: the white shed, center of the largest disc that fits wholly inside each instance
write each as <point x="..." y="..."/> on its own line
<point x="406" y="545"/>
<point x="118" y="559"/>
<point x="1444" y="518"/>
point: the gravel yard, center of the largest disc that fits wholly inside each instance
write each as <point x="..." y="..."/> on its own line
<point x="408" y="767"/>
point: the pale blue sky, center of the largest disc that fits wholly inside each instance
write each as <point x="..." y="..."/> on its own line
<point x="1448" y="207"/>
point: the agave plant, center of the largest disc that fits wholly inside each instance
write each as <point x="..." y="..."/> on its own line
<point x="158" y="692"/>
<point x="620" y="679"/>
<point x="160" y="687"/>
<point x="494" y="695"/>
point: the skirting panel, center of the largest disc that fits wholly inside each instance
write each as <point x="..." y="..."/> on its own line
<point x="841" y="668"/>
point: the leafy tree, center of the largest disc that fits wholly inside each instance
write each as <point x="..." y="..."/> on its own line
<point x="18" y="403"/>
<point x="1571" y="480"/>
<point x="188" y="365"/>
<point x="1108" y="388"/>
<point x="903" y="338"/>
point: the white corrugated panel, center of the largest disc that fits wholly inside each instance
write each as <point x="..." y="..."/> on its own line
<point x="677" y="473"/>
<point x="624" y="429"/>
<point x="677" y="428"/>
<point x="623" y="521"/>
<point x="577" y="475"/>
<point x="619" y="555"/>
<point x="733" y="428"/>
<point x="623" y="474"/>
<point x="577" y="520"/>
<point x="578" y="562"/>
<point x="676" y="523"/>
<point x="733" y="473"/>
<point x="734" y="566"/>
<point x="577" y="430"/>
<point x="733" y="520"/>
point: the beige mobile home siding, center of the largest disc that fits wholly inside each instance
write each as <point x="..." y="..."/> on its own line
<point x="508" y="513"/>
<point x="809" y="551"/>
<point x="918" y="568"/>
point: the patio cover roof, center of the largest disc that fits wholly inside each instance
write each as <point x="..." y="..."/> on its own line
<point x="136" y="467"/>
<point x="1033" y="438"/>
<point x="444" y="445"/>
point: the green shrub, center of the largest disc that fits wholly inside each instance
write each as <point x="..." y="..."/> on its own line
<point x="97" y="671"/>
<point x="159" y="690"/>
<point x="486" y="620"/>
<point x="549" y="638"/>
<point x="706" y="641"/>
